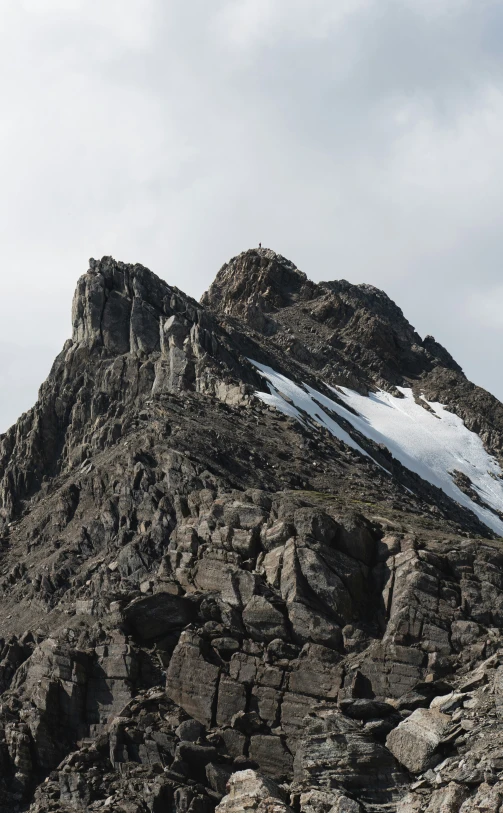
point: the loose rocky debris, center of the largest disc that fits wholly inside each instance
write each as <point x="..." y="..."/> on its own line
<point x="207" y="606"/>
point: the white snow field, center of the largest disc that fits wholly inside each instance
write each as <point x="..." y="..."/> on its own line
<point x="433" y="444"/>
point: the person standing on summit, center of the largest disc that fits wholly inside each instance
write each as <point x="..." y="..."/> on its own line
<point x="260" y="245"/>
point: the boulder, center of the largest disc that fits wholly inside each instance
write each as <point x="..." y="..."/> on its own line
<point x="190" y="731"/>
<point x="248" y="790"/>
<point x="414" y="740"/>
<point x="328" y="801"/>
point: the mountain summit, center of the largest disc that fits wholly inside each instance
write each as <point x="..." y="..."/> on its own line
<point x="250" y="557"/>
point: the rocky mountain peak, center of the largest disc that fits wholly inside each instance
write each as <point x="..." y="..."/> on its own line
<point x="255" y="283"/>
<point x="119" y="307"/>
<point x="249" y="558"/>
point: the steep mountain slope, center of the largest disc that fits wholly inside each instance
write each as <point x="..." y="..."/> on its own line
<point x="250" y="557"/>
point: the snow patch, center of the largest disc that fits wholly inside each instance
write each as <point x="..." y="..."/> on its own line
<point x="301" y="404"/>
<point x="433" y="444"/>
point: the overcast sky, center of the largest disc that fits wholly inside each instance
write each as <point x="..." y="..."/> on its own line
<point x="362" y="139"/>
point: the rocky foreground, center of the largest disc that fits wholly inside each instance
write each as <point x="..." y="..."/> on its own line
<point x="209" y="605"/>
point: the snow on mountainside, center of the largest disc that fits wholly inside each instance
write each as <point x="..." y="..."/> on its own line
<point x="428" y="440"/>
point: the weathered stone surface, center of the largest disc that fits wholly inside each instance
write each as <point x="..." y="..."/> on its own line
<point x="414" y="741"/>
<point x="294" y="709"/>
<point x="263" y="621"/>
<point x="250" y="791"/>
<point x="191" y="681"/>
<point x="190" y="731"/>
<point x="318" y="672"/>
<point x="335" y="752"/>
<point x="309" y="624"/>
<point x="321" y="801"/>
<point x="156" y="616"/>
<point x="272" y="756"/>
<point x="235" y="586"/>
<point x="231" y="700"/>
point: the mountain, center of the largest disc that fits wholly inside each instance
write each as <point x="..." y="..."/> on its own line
<point x="251" y="557"/>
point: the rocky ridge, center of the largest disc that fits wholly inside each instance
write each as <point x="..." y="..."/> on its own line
<point x="207" y="605"/>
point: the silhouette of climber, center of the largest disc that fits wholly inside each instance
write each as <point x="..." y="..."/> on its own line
<point x="260" y="245"/>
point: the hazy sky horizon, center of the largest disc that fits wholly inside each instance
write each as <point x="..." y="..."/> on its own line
<point x="360" y="139"/>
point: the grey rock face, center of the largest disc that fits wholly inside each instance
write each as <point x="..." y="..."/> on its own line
<point x="335" y="752"/>
<point x="206" y="604"/>
<point x="191" y="681"/>
<point x="263" y="621"/>
<point x="272" y="756"/>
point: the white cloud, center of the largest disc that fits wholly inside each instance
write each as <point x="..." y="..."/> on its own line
<point x="130" y="21"/>
<point x="48" y="6"/>
<point x="435" y="9"/>
<point x="252" y="23"/>
<point x="361" y="139"/>
<point x="485" y="309"/>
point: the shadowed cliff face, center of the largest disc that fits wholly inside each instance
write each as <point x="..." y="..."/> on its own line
<point x="210" y="602"/>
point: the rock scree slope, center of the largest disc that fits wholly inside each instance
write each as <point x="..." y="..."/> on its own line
<point x="250" y="558"/>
